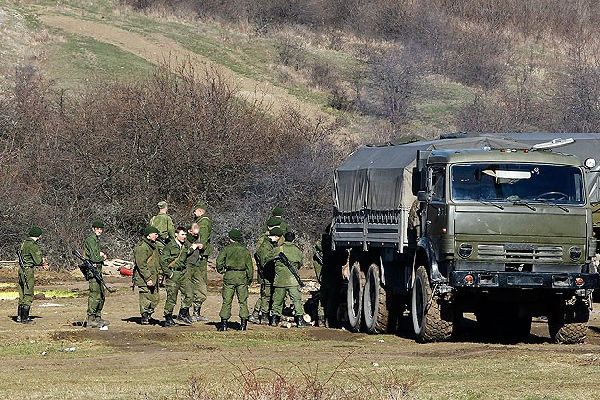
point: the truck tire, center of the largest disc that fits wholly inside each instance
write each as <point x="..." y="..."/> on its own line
<point x="354" y="294"/>
<point x="430" y="322"/>
<point x="568" y="324"/>
<point x="375" y="308"/>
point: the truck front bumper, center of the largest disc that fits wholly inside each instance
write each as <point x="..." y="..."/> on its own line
<point x="554" y="280"/>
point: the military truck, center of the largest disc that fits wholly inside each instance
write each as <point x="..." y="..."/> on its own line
<point x="485" y="225"/>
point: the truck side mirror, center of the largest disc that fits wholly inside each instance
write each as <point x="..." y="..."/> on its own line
<point x="422" y="196"/>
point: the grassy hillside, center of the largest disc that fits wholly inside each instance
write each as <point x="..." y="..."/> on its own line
<point x="300" y="66"/>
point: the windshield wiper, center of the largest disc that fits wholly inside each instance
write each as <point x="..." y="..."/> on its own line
<point x="490" y="203"/>
<point x="524" y="203"/>
<point x="552" y="203"/>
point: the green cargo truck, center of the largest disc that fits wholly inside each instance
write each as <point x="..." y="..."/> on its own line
<point x="486" y="225"/>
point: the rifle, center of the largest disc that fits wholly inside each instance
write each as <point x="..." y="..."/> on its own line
<point x="289" y="265"/>
<point x="259" y="270"/>
<point x="22" y="267"/>
<point x="163" y="241"/>
<point x="318" y="258"/>
<point x="89" y="266"/>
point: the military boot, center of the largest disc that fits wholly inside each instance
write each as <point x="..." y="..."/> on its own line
<point x="25" y="316"/>
<point x="254" y="317"/>
<point x="184" y="315"/>
<point x="20" y="314"/>
<point x="101" y="321"/>
<point x="244" y="325"/>
<point x="92" y="322"/>
<point x="300" y="322"/>
<point x="264" y="319"/>
<point x="198" y="317"/>
<point x="322" y="322"/>
<point x="169" y="321"/>
<point x="145" y="319"/>
<point x="223" y="326"/>
<point x="275" y="320"/>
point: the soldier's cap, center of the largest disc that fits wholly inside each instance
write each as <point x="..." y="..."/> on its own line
<point x="97" y="224"/>
<point x="162" y="204"/>
<point x="150" y="230"/>
<point x="277" y="212"/>
<point x="236" y="235"/>
<point x="201" y="205"/>
<point x="274" y="221"/>
<point x="35" y="231"/>
<point x="277" y="231"/>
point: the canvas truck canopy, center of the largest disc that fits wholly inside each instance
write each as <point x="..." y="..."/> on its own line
<point x="380" y="178"/>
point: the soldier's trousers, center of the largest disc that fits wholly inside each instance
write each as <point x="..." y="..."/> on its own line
<point x="175" y="284"/>
<point x="264" y="302"/>
<point x="279" y="294"/>
<point x="95" y="299"/>
<point x="26" y="290"/>
<point x="242" y="295"/>
<point x="149" y="298"/>
<point x="327" y="300"/>
<point x="197" y="276"/>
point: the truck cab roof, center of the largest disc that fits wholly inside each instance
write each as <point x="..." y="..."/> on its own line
<point x="502" y="156"/>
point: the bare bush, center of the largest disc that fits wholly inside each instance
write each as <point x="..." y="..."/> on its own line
<point x="112" y="151"/>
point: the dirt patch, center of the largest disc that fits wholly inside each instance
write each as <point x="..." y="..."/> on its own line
<point x="333" y="335"/>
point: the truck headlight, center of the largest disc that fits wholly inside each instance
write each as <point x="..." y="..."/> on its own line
<point x="575" y="253"/>
<point x="465" y="250"/>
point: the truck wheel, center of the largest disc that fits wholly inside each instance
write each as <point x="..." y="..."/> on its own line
<point x="356" y="283"/>
<point x="568" y="324"/>
<point x="430" y="321"/>
<point x="375" y="308"/>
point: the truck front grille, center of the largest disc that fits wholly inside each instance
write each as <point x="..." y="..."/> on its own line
<point x="520" y="253"/>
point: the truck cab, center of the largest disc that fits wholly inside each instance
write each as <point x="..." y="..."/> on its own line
<point x="506" y="234"/>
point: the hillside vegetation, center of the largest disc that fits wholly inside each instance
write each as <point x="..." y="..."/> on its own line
<point x="108" y="106"/>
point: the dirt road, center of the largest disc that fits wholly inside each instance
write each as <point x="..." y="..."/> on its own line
<point x="157" y="49"/>
<point x="57" y="359"/>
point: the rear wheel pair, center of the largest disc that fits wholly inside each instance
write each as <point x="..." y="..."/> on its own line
<point x="368" y="301"/>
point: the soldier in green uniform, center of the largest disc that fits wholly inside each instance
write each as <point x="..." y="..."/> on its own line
<point x="91" y="252"/>
<point x="173" y="265"/>
<point x="198" y="276"/>
<point x="278" y="213"/>
<point x="285" y="283"/>
<point x="164" y="223"/>
<point x="266" y="274"/>
<point x="146" y="271"/>
<point x="32" y="257"/>
<point x="235" y="262"/>
<point x="195" y="268"/>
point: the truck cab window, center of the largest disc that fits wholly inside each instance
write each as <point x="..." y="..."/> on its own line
<point x="437" y="184"/>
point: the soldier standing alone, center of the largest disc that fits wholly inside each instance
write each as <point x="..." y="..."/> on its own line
<point x="32" y="257"/>
<point x="91" y="252"/>
<point x="146" y="271"/>
<point x="235" y="262"/>
<point x="198" y="275"/>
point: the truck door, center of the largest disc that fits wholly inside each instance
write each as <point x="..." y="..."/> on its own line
<point x="436" y="217"/>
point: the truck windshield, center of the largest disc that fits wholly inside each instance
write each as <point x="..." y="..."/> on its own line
<point x="517" y="182"/>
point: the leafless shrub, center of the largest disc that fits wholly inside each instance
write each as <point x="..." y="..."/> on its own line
<point x="291" y="52"/>
<point x="112" y="151"/>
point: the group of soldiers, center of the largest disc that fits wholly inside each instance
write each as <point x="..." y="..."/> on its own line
<point x="179" y="256"/>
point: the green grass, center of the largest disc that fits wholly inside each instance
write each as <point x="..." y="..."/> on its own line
<point x="80" y="60"/>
